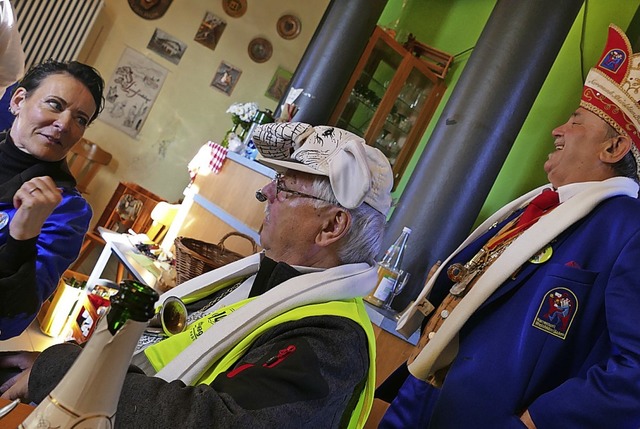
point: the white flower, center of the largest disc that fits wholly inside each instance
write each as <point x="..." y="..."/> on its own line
<point x="244" y="111"/>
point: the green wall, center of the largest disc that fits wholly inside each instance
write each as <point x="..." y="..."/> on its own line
<point x="454" y="26"/>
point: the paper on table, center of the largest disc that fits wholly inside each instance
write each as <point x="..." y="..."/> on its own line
<point x="147" y="263"/>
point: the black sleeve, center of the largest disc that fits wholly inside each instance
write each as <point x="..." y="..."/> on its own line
<point x="313" y="384"/>
<point x="18" y="277"/>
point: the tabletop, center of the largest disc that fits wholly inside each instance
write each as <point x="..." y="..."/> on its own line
<point x="143" y="268"/>
<point x="16" y="416"/>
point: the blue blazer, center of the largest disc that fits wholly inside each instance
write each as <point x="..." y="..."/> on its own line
<point x="560" y="338"/>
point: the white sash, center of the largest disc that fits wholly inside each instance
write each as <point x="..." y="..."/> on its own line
<point x="444" y="343"/>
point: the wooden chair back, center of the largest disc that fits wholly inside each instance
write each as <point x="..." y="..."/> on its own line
<point x="85" y="159"/>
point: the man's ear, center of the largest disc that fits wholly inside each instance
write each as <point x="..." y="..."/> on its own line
<point x="335" y="226"/>
<point x="615" y="148"/>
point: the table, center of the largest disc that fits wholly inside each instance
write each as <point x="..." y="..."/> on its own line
<point x="392" y="350"/>
<point x="143" y="268"/>
<point x="16" y="416"/>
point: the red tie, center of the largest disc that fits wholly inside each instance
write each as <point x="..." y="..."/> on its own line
<point x="545" y="201"/>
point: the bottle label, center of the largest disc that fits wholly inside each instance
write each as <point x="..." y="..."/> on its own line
<point x="385" y="288"/>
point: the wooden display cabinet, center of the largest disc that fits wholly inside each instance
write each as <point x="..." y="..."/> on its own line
<point x="392" y="96"/>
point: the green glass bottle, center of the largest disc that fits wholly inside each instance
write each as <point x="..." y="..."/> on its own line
<point x="87" y="396"/>
<point x="134" y="301"/>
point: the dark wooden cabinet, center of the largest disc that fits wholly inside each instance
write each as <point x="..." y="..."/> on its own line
<point x="392" y="96"/>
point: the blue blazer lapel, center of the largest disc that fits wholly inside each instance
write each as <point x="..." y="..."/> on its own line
<point x="525" y="271"/>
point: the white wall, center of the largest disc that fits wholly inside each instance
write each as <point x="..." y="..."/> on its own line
<point x="188" y="112"/>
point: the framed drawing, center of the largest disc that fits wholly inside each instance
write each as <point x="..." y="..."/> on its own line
<point x="167" y="46"/>
<point x="131" y="92"/>
<point x="278" y="84"/>
<point x="226" y="78"/>
<point x="210" y="30"/>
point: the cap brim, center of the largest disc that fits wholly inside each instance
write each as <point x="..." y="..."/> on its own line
<point x="282" y="165"/>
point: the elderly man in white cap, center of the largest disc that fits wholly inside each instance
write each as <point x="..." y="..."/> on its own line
<point x="281" y="338"/>
<point x="537" y="316"/>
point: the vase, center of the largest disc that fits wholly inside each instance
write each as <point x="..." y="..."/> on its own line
<point x="238" y="129"/>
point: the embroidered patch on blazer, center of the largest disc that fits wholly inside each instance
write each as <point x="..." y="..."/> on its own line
<point x="556" y="312"/>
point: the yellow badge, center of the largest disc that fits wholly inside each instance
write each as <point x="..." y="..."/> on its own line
<point x="542" y="256"/>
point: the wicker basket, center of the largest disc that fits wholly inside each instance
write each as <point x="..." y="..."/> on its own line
<point x="195" y="257"/>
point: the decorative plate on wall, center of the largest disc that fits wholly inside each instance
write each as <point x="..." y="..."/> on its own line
<point x="234" y="8"/>
<point x="150" y="9"/>
<point x="260" y="50"/>
<point x="289" y="26"/>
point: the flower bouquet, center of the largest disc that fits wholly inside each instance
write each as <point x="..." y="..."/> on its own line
<point x="241" y="116"/>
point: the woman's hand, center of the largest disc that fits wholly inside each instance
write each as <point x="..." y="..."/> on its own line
<point x="34" y="201"/>
<point x="17" y="387"/>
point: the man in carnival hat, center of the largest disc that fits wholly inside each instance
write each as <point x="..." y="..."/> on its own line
<point x="533" y="321"/>
<point x="280" y="338"/>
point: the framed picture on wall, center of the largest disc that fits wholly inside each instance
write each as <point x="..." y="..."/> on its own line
<point x="226" y="78"/>
<point x="131" y="91"/>
<point x="210" y="30"/>
<point x="167" y="46"/>
<point x="278" y="84"/>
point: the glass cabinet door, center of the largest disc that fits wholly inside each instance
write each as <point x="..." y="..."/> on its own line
<point x="369" y="89"/>
<point x="403" y="115"/>
<point x="389" y="100"/>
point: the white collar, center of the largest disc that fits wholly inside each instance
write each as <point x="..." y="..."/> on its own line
<point x="572" y="189"/>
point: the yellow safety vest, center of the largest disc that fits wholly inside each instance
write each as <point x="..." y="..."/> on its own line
<point x="162" y="353"/>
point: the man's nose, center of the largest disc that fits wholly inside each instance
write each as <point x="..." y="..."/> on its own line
<point x="557" y="131"/>
<point x="267" y="192"/>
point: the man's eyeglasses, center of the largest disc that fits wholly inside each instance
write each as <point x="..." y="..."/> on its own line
<point x="260" y="195"/>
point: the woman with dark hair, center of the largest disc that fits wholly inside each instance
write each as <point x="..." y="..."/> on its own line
<point x="43" y="218"/>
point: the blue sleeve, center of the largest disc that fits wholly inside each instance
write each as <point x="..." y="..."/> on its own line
<point x="60" y="240"/>
<point x="57" y="247"/>
<point x="606" y="393"/>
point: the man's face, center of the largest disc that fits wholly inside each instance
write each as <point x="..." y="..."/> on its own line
<point x="51" y="118"/>
<point x="578" y="145"/>
<point x="292" y="222"/>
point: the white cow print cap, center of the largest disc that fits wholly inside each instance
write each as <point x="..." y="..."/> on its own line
<point x="358" y="173"/>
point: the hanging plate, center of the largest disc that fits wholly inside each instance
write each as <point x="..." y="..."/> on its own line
<point x="289" y="26"/>
<point x="234" y="8"/>
<point x="260" y="50"/>
<point x="150" y="9"/>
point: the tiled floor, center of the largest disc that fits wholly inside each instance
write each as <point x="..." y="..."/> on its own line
<point x="33" y="339"/>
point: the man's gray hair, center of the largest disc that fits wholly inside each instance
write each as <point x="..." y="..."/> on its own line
<point x="627" y="166"/>
<point x="364" y="239"/>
